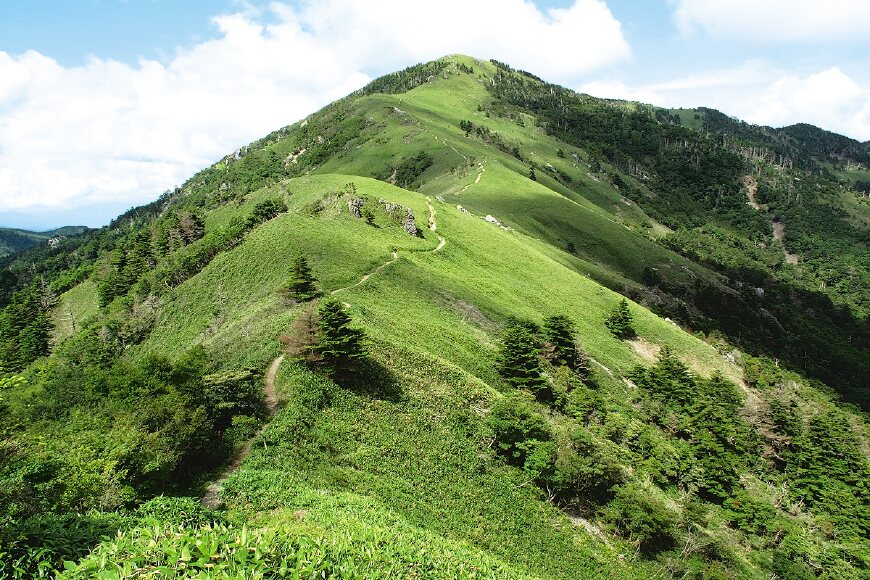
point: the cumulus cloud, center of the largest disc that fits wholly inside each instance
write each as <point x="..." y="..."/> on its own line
<point x="109" y="131"/>
<point x="761" y="94"/>
<point x="775" y="20"/>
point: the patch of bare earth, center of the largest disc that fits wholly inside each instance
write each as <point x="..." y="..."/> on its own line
<point x="647" y="350"/>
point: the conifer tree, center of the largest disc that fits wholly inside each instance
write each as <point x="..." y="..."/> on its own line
<point x="561" y="346"/>
<point x="301" y="285"/>
<point x="339" y="346"/>
<point x="303" y="335"/>
<point x="519" y="360"/>
<point x="620" y="321"/>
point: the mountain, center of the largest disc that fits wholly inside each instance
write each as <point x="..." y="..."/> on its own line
<point x="460" y="323"/>
<point x="14" y="240"/>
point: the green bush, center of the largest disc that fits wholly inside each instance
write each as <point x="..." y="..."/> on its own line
<point x="642" y="518"/>
<point x="522" y="436"/>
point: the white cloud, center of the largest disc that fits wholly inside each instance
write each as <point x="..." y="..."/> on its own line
<point x="764" y="21"/>
<point x="761" y="94"/>
<point x="109" y="131"/>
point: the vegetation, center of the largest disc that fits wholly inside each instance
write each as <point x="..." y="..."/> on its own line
<point x="620" y="321"/>
<point x="301" y="285"/>
<point x="435" y="414"/>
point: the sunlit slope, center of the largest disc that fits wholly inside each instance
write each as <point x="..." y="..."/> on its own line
<point x="587" y="212"/>
<point x="412" y="459"/>
<point x="451" y="302"/>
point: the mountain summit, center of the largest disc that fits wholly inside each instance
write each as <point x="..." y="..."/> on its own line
<point x="461" y="323"/>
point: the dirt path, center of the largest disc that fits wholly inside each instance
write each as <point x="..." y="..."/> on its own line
<point x="433" y="225"/>
<point x="212" y="497"/>
<point x="778" y="227"/>
<point x="476" y="179"/>
<point x="752" y="193"/>
<point x="779" y="236"/>
<point x="393" y="258"/>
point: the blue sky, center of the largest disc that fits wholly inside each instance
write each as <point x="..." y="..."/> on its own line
<point x="106" y="103"/>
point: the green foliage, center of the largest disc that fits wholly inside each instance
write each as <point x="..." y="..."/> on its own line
<point x="405" y="80"/>
<point x="620" y="321"/>
<point x="339" y="346"/>
<point x="266" y="210"/>
<point x="24" y="329"/>
<point x="642" y="518"/>
<point x="521" y="434"/>
<point x="38" y="546"/>
<point x="411" y="168"/>
<point x="830" y="473"/>
<point x="228" y="394"/>
<point x="519" y="361"/>
<point x="705" y="413"/>
<point x="301" y="284"/>
<point x="560" y="346"/>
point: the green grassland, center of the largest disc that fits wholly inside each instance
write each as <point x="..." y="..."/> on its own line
<point x="399" y="474"/>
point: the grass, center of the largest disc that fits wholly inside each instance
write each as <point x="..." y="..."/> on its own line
<point x="74" y="307"/>
<point x="411" y="462"/>
<point x="398" y="476"/>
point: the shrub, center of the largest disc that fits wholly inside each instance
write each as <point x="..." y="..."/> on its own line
<point x="560" y="345"/>
<point x="301" y="284"/>
<point x="519" y="360"/>
<point x="339" y="346"/>
<point x="266" y="210"/>
<point x="520" y="433"/>
<point x="640" y="517"/>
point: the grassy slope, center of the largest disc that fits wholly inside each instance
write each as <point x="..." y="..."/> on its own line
<point x="418" y="460"/>
<point x="417" y="457"/>
<point x="588" y="212"/>
<point x="73" y="308"/>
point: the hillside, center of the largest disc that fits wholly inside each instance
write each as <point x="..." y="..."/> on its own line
<point x="479" y="229"/>
<point x="14" y="240"/>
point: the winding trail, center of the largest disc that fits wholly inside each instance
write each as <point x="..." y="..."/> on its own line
<point x="433" y="225"/>
<point x="212" y="497"/>
<point x="751" y="186"/>
<point x="476" y="179"/>
<point x="393" y="258"/>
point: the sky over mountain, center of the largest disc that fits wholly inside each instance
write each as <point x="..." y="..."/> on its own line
<point x="106" y="103"/>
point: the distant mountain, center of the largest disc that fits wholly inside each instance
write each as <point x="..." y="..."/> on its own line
<point x="14" y="240"/>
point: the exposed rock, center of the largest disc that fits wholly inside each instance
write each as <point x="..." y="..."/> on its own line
<point x="410" y="224"/>
<point x="389" y="206"/>
<point x="462" y="209"/>
<point x="492" y="220"/>
<point x="354" y="205"/>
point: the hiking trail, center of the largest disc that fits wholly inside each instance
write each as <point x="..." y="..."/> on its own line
<point x="212" y="497"/>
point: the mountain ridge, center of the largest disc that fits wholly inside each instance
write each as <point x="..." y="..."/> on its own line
<point x="698" y="446"/>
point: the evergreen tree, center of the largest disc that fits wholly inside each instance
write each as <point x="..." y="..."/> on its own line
<point x="620" y="321"/>
<point x="300" y="339"/>
<point x="561" y="347"/>
<point x="301" y="285"/>
<point x="339" y="346"/>
<point x="519" y="360"/>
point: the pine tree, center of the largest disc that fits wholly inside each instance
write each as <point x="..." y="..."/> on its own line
<point x="339" y="346"/>
<point x="620" y="321"/>
<point x="519" y="360"/>
<point x="301" y="285"/>
<point x="561" y="347"/>
<point x="301" y="338"/>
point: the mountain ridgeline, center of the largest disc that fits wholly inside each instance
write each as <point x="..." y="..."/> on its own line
<point x="461" y="323"/>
